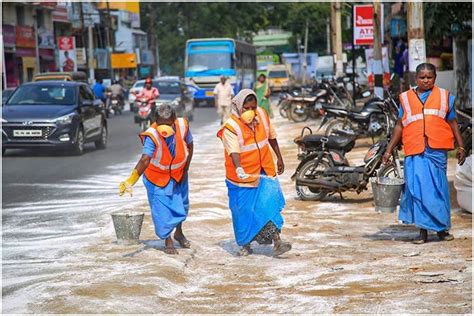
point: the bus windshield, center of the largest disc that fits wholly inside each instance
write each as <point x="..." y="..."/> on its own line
<point x="277" y="74"/>
<point x="209" y="61"/>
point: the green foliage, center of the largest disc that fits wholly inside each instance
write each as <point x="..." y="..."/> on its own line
<point x="175" y="22"/>
<point x="447" y="18"/>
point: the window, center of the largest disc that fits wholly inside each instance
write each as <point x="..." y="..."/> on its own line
<point x="85" y="95"/>
<point x="20" y="15"/>
<point x="40" y="18"/>
<point x="43" y="94"/>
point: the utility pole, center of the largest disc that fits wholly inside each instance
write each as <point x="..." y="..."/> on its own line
<point x="37" y="65"/>
<point x="337" y="44"/>
<point x="83" y="39"/>
<point x="328" y="36"/>
<point x="91" y="54"/>
<point x="416" y="38"/>
<point x="305" y="61"/>
<point x="377" y="64"/>
<point x="110" y="42"/>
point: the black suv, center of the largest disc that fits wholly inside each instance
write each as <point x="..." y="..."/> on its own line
<point x="53" y="114"/>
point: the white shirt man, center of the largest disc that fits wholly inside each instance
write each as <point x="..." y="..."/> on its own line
<point x="223" y="93"/>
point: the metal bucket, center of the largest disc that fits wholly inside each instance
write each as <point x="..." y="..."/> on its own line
<point x="128" y="225"/>
<point x="387" y="193"/>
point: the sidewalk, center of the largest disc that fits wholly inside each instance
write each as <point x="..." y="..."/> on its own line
<point x="346" y="258"/>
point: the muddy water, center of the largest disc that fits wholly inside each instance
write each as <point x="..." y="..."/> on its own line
<point x="346" y="258"/>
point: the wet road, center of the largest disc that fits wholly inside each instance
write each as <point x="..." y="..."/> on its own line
<point x="54" y="205"/>
<point x="27" y="173"/>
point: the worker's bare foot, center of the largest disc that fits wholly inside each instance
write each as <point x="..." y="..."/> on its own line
<point x="183" y="242"/>
<point x="245" y="251"/>
<point x="169" y="247"/>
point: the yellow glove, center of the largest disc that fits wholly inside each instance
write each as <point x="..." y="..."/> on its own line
<point x="126" y="186"/>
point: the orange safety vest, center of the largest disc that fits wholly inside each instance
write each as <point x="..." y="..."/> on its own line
<point x="163" y="166"/>
<point x="426" y="122"/>
<point x="255" y="153"/>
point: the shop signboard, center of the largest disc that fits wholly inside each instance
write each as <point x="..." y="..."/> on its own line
<point x="25" y="36"/>
<point x="126" y="60"/>
<point x="364" y="24"/>
<point x="67" y="53"/>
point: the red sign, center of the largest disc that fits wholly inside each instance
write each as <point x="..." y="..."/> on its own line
<point x="25" y="36"/>
<point x="66" y="43"/>
<point x="364" y="24"/>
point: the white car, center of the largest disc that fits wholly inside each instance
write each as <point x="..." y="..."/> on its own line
<point x="136" y="88"/>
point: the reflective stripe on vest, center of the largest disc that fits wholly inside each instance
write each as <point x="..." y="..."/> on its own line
<point x="156" y="161"/>
<point x="250" y="147"/>
<point x="262" y="114"/>
<point x="412" y="118"/>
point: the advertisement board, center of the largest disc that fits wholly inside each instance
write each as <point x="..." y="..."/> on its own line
<point x="67" y="53"/>
<point x="123" y="61"/>
<point x="364" y="24"/>
<point x="25" y="36"/>
<point x="369" y="57"/>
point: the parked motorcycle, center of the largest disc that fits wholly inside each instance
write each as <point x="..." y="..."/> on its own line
<point x="320" y="174"/>
<point x="360" y="122"/>
<point x="144" y="115"/>
<point x="465" y="127"/>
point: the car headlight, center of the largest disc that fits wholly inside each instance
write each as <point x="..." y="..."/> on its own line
<point x="63" y="120"/>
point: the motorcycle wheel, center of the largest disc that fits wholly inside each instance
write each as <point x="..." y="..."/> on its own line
<point x="335" y="125"/>
<point x="297" y="117"/>
<point x="283" y="110"/>
<point x="314" y="114"/>
<point x="308" y="171"/>
<point x="390" y="171"/>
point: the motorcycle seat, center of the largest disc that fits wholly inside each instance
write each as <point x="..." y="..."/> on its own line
<point x="344" y="143"/>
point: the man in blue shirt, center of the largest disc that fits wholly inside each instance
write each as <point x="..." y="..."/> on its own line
<point x="99" y="89"/>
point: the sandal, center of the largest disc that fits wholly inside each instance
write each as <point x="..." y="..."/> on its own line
<point x="183" y="242"/>
<point x="280" y="248"/>
<point x="422" y="238"/>
<point x="445" y="235"/>
<point x="170" y="251"/>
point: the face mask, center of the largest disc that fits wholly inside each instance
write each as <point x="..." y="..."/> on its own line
<point x="248" y="116"/>
<point x="165" y="130"/>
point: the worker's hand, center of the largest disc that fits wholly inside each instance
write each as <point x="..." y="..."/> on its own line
<point x="386" y="157"/>
<point x="461" y="155"/>
<point x="280" y="166"/>
<point x="241" y="173"/>
<point x="126" y="186"/>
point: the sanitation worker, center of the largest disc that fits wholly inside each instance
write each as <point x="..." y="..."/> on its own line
<point x="255" y="196"/>
<point x="167" y="153"/>
<point x="427" y="126"/>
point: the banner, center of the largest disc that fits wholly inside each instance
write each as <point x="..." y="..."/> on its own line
<point x="364" y="24"/>
<point x="369" y="60"/>
<point x="45" y="38"/>
<point x="67" y="53"/>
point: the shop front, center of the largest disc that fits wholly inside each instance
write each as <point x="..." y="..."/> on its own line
<point x="9" y="45"/>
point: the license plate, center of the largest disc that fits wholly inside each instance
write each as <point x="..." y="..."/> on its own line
<point x="28" y="133"/>
<point x="209" y="93"/>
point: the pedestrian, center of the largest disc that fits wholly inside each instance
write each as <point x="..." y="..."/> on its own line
<point x="427" y="126"/>
<point x="167" y="154"/>
<point x="223" y="93"/>
<point x="99" y="90"/>
<point x="263" y="94"/>
<point x="255" y="196"/>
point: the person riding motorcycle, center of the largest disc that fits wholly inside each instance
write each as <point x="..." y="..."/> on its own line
<point x="149" y="93"/>
<point x="116" y="90"/>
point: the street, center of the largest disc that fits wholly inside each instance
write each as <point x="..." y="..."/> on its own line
<point x="60" y="254"/>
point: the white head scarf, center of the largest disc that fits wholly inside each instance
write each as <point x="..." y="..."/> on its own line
<point x="238" y="100"/>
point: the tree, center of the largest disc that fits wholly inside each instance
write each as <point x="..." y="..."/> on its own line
<point x="451" y="19"/>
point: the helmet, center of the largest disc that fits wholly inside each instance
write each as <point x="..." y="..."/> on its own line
<point x="148" y="81"/>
